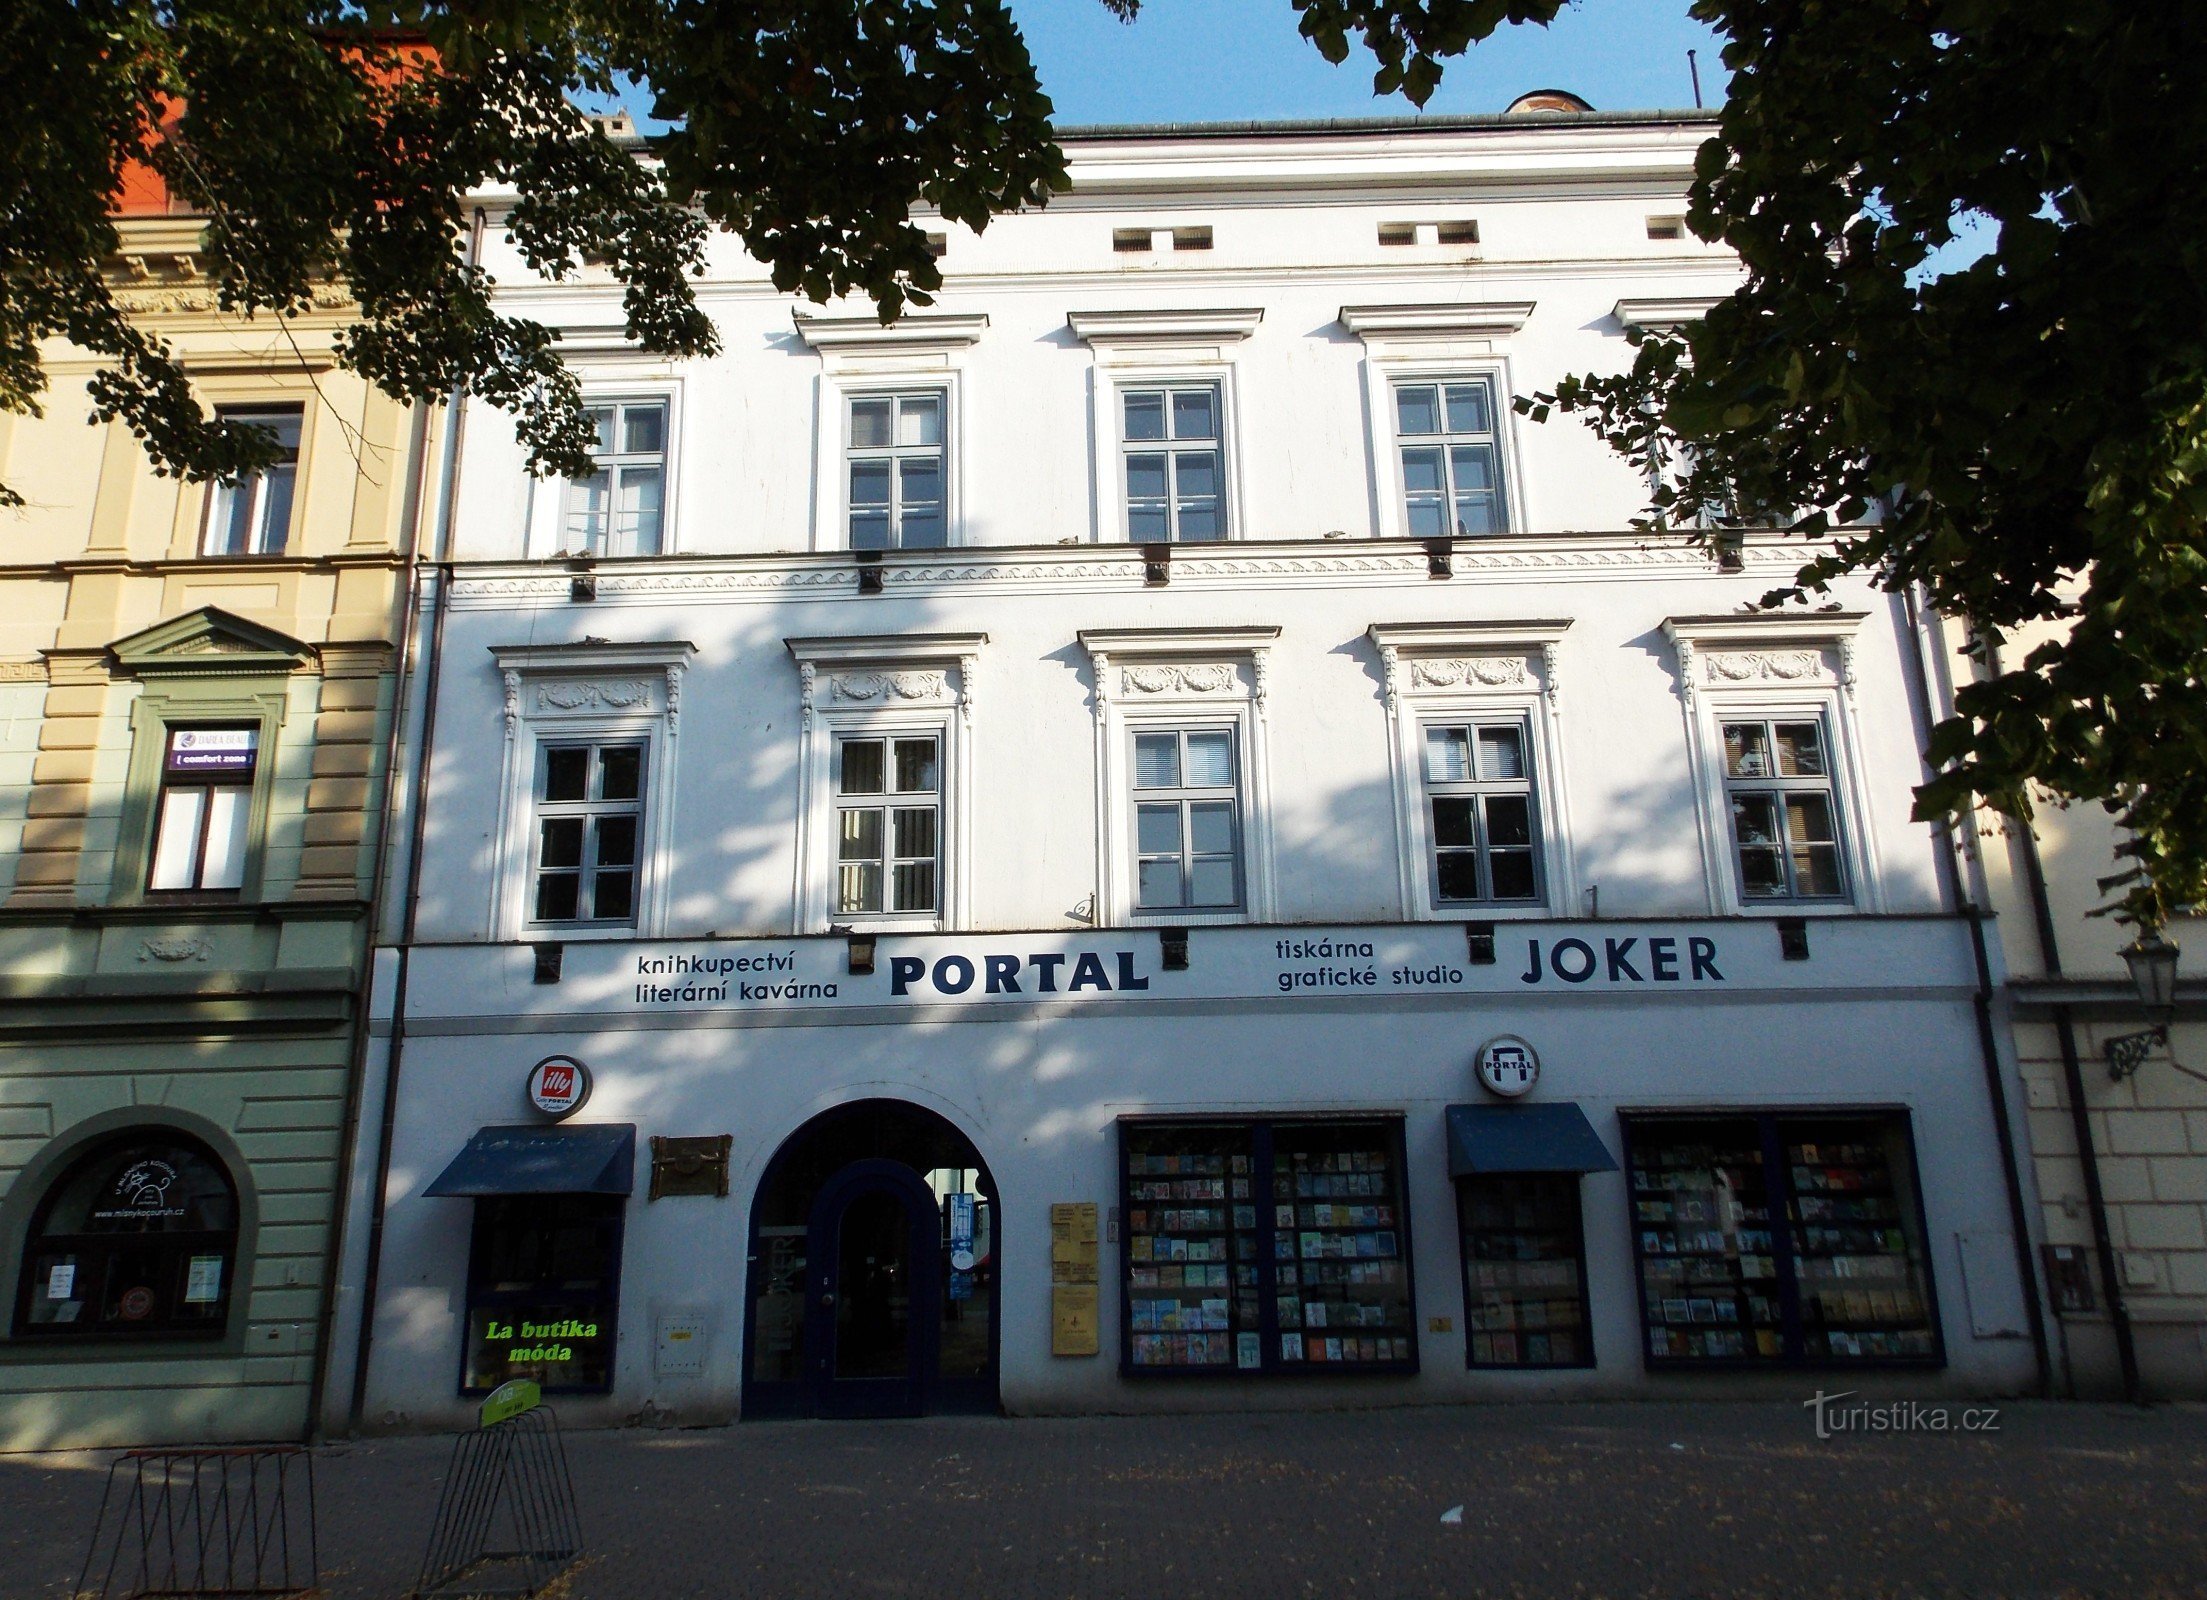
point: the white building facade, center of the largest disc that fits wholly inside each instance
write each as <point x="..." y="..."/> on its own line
<point x="1136" y="838"/>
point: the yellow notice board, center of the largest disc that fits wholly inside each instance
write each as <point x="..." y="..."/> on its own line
<point x="1073" y="1320"/>
<point x="1073" y="1242"/>
<point x="1073" y="1329"/>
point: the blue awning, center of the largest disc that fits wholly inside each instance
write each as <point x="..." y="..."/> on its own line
<point x="1550" y="1137"/>
<point x="589" y="1158"/>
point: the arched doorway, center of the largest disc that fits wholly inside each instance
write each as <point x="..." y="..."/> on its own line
<point x="873" y="1272"/>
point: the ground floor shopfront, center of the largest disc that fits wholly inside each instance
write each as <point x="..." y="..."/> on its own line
<point x="170" y="1148"/>
<point x="1112" y="1171"/>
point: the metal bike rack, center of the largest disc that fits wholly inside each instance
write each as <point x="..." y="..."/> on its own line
<point x="203" y="1525"/>
<point x="506" y="1522"/>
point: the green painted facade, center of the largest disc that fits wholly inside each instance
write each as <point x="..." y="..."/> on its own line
<point x="225" y="1017"/>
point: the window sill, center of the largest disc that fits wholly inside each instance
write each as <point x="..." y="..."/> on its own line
<point x="1188" y="919"/>
<point x="575" y="932"/>
<point x="1490" y="911"/>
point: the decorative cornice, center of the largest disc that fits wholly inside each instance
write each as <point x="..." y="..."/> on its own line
<point x="1381" y="562"/>
<point x="591" y="676"/>
<point x="1762" y="650"/>
<point x="1664" y="315"/>
<point x="940" y="331"/>
<point x="1482" y="320"/>
<point x="1469" y="636"/>
<point x="1153" y="642"/>
<point x="1766" y="628"/>
<point x="593" y="658"/>
<point x="1124" y="327"/>
<point x="882" y="669"/>
<point x="875" y="651"/>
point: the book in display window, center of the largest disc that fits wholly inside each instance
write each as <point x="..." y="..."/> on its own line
<point x="1780" y="1240"/>
<point x="1265" y="1247"/>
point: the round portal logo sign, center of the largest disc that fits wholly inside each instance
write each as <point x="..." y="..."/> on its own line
<point x="558" y="1085"/>
<point x="1508" y="1066"/>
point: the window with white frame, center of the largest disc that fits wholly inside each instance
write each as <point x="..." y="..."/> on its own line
<point x="588" y="825"/>
<point x="1187" y="819"/>
<point x="1449" y="444"/>
<point x="888" y="824"/>
<point x="1785" y="827"/>
<point x="1781" y="789"/>
<point x="1479" y="803"/>
<point x="884" y="780"/>
<point x="1172" y="463"/>
<point x="619" y="509"/>
<point x="251" y="515"/>
<point x="1475" y="734"/>
<point x="895" y="471"/>
<point x="202" y="823"/>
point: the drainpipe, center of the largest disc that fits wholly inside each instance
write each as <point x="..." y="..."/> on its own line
<point x="432" y="675"/>
<point x="363" y="995"/>
<point x="1996" y="1090"/>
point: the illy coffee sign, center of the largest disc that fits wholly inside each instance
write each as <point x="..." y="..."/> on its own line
<point x="558" y="1085"/>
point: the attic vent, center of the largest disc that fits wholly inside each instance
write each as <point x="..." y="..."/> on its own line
<point x="1129" y="240"/>
<point x="1191" y="238"/>
<point x="1666" y="227"/>
<point x="1464" y="232"/>
<point x="938" y="245"/>
<point x="1398" y="233"/>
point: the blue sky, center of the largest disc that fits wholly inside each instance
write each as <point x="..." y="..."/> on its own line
<point x="1227" y="60"/>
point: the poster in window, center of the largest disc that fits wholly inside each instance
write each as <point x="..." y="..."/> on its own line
<point x="203" y="1281"/>
<point x="61" y="1281"/>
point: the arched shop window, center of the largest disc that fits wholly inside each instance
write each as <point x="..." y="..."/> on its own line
<point x="137" y="1239"/>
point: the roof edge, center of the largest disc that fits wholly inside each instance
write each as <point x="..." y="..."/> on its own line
<point x="1453" y="123"/>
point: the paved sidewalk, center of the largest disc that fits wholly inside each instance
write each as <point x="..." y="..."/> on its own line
<point x="1584" y="1500"/>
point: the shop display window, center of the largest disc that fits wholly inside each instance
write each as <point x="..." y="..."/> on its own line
<point x="544" y="1287"/>
<point x="1265" y="1247"/>
<point x="1524" y="1270"/>
<point x="138" y="1239"/>
<point x="1769" y="1240"/>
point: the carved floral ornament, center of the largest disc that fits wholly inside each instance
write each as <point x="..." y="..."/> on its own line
<point x="1765" y="666"/>
<point x="1505" y="670"/>
<point x="1210" y="677"/>
<point x="819" y="684"/>
<point x="556" y="697"/>
<point x="615" y="695"/>
<point x="1474" y="672"/>
<point x="882" y="688"/>
<point x="182" y="947"/>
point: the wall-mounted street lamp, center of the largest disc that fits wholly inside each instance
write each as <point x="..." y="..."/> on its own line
<point x="2152" y="963"/>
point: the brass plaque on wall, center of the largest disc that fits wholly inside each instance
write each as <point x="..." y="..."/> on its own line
<point x="690" y="1165"/>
